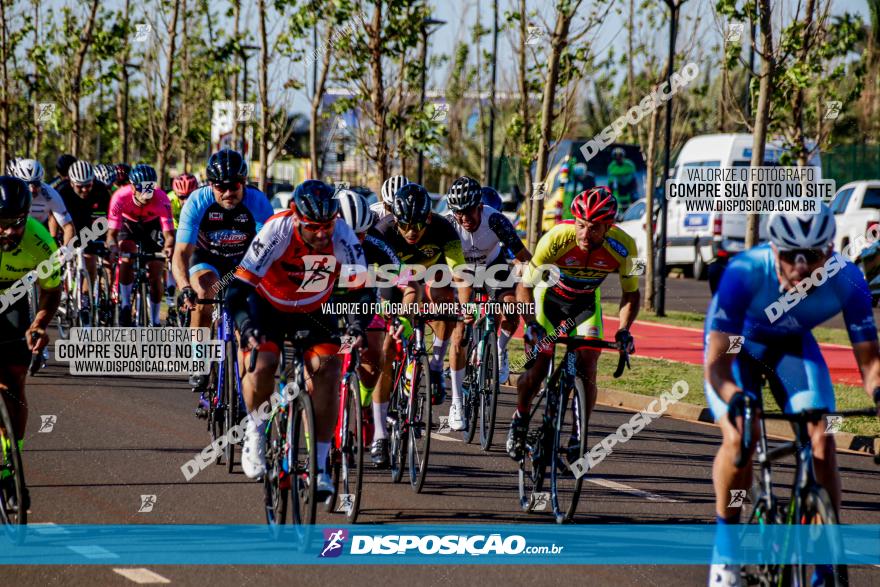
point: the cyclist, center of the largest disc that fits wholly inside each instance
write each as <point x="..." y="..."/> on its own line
<point x="289" y="270"/>
<point x="140" y="214"/>
<point x="353" y="209"/>
<point x="384" y="208"/>
<point x="182" y="185"/>
<point x="585" y="252"/>
<point x="622" y="179"/>
<point x="484" y="233"/>
<point x="46" y="203"/>
<point x="25" y="245"/>
<point x="780" y="347"/>
<point x="122" y="171"/>
<point x="419" y="237"/>
<point x="62" y="166"/>
<point x="106" y="174"/>
<point x="491" y="198"/>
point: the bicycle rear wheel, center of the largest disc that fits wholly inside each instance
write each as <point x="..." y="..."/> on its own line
<point x="66" y="312"/>
<point x="569" y="444"/>
<point x="420" y="424"/>
<point x="398" y="435"/>
<point x="216" y="410"/>
<point x="140" y="305"/>
<point x="471" y="400"/>
<point x="302" y="456"/>
<point x="230" y="399"/>
<point x="532" y="469"/>
<point x="12" y="487"/>
<point x="489" y="389"/>
<point x="348" y="471"/>
<point x="276" y="483"/>
<point x="765" y="512"/>
<point x="817" y="509"/>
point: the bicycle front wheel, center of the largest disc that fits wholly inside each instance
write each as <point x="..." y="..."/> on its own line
<point x="419" y="424"/>
<point x="765" y="512"/>
<point x="818" y="510"/>
<point x="276" y="483"/>
<point x="230" y="399"/>
<point x="351" y="453"/>
<point x="12" y="487"/>
<point x="569" y="445"/>
<point x="303" y="458"/>
<point x="398" y="434"/>
<point x="489" y="389"/>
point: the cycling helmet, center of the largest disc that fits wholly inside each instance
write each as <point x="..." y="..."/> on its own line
<point x="141" y="173"/>
<point x="81" y="173"/>
<point x="464" y="193"/>
<point x="579" y="171"/>
<point x="801" y="231"/>
<point x="122" y="171"/>
<point x="184" y="185"/>
<point x="28" y="170"/>
<point x="15" y="197"/>
<point x="106" y="174"/>
<point x="226" y="165"/>
<point x="618" y="151"/>
<point x="412" y="204"/>
<point x="354" y="210"/>
<point x="390" y="187"/>
<point x="491" y="197"/>
<point x="314" y="201"/>
<point x="595" y="205"/>
<point x="62" y="165"/>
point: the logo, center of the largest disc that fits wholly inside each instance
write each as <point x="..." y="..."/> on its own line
<point x="444" y="425"/>
<point x="638" y="266"/>
<point x="333" y="540"/>
<point x="833" y="424"/>
<point x="142" y="32"/>
<point x="538" y="192"/>
<point x="227" y="237"/>
<point x="242" y="218"/>
<point x="147" y="504"/>
<point x="317" y="271"/>
<point x="734" y="32"/>
<point x="439" y="112"/>
<point x="536" y="34"/>
<point x="346" y="502"/>
<point x="617" y="246"/>
<point x="736" y="343"/>
<point x="832" y="109"/>
<point x="215" y="215"/>
<point x="245" y="111"/>
<point x="601" y="263"/>
<point x="737" y="498"/>
<point x="47" y="423"/>
<point x="345" y="343"/>
<point x="342" y="185"/>
<point x="539" y="501"/>
<point x="45" y="111"/>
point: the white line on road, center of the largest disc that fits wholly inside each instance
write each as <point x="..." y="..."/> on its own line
<point x="608" y="484"/>
<point x="141" y="576"/>
<point x="48" y="529"/>
<point x="93" y="551"/>
<point x="437" y="436"/>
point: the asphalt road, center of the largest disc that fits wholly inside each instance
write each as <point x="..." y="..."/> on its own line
<point x="117" y="438"/>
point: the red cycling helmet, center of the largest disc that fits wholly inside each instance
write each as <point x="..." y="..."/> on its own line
<point x="595" y="205"/>
<point x="184" y="185"/>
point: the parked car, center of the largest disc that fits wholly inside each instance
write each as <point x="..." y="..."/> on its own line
<point x="634" y="224"/>
<point x="281" y="201"/>
<point x="856" y="208"/>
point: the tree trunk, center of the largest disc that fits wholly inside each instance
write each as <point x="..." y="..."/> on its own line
<point x="264" y="99"/>
<point x="315" y="106"/>
<point x="762" y="114"/>
<point x="236" y="7"/>
<point x="377" y="92"/>
<point x="524" y="108"/>
<point x="4" y="92"/>
<point x="650" y="175"/>
<point x="165" y="129"/>
<point x="122" y="95"/>
<point x="183" y="115"/>
<point x="76" y="89"/>
<point x="557" y="45"/>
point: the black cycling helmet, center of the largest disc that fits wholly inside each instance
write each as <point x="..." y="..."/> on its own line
<point x="314" y="200"/>
<point x="63" y="163"/>
<point x="15" y="197"/>
<point x="226" y="165"/>
<point x="122" y="171"/>
<point x="463" y="194"/>
<point x="141" y="173"/>
<point x="412" y="204"/>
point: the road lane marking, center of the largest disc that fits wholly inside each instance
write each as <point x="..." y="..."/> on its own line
<point x="93" y="551"/>
<point x="141" y="576"/>
<point x="608" y="484"/>
<point x="48" y="529"/>
<point x="436" y="436"/>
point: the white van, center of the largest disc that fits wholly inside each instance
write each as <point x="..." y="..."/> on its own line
<point x="695" y="239"/>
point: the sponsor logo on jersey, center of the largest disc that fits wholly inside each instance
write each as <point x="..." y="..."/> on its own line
<point x="618" y="246"/>
<point x="242" y="218"/>
<point x="227" y="237"/>
<point x="215" y="215"/>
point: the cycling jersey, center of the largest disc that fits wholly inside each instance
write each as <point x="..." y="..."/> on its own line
<point x="223" y="234"/>
<point x="123" y="208"/>
<point x="294" y="277"/>
<point x="485" y="245"/>
<point x="438" y="239"/>
<point x="384" y="218"/>
<point x="784" y="349"/>
<point x="84" y="211"/>
<point x="49" y="201"/>
<point x="581" y="272"/>
<point x="176" y="206"/>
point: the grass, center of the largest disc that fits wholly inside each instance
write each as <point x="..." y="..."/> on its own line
<point x="652" y="377"/>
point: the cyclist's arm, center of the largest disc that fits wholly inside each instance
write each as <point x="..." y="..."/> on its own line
<point x="52" y="225"/>
<point x="629" y="308"/>
<point x="237" y="301"/>
<point x="168" y="235"/>
<point x="68" y="232"/>
<point x="718" y="369"/>
<point x="50" y="299"/>
<point x="110" y="242"/>
<point x="868" y="358"/>
<point x="180" y="263"/>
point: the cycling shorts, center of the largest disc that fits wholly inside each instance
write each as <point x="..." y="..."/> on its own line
<point x="583" y="315"/>
<point x="323" y="330"/>
<point x="148" y="233"/>
<point x="497" y="286"/>
<point x="794" y="368"/>
<point x="14" y="322"/>
<point x="203" y="260"/>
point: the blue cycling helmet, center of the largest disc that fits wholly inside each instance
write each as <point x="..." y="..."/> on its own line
<point x="491" y="197"/>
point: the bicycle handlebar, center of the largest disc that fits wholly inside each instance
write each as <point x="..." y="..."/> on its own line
<point x="573" y="342"/>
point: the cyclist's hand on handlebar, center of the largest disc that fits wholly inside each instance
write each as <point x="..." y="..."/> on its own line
<point x="168" y="251"/>
<point x="252" y="338"/>
<point x="357" y="335"/>
<point x="36" y="338"/>
<point x="626" y="341"/>
<point x="186" y="300"/>
<point x="736" y="407"/>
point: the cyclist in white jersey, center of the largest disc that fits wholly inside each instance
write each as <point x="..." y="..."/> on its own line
<point x="382" y="208"/>
<point x="46" y="202"/>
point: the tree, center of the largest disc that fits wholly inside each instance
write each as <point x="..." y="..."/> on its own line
<point x="165" y="128"/>
<point x="76" y="85"/>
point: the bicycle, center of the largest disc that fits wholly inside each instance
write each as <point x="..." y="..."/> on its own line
<point x="291" y="457"/>
<point x="557" y="442"/>
<point x="809" y="502"/>
<point x="410" y="407"/>
<point x="13" y="510"/>
<point x="224" y="396"/>
<point x="481" y="386"/>
<point x="75" y="310"/>
<point x="140" y="291"/>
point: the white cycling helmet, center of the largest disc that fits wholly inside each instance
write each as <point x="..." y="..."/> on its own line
<point x="390" y="187"/>
<point x="81" y="173"/>
<point x="802" y="231"/>
<point x="28" y="170"/>
<point x="354" y="210"/>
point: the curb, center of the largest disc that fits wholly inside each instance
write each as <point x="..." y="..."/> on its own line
<point x="683" y="411"/>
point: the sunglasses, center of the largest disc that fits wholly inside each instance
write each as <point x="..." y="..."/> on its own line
<point x="317" y="226"/>
<point x="13" y="222"/>
<point x="83" y="186"/>
<point x="228" y="186"/>
<point x="465" y="212"/>
<point x="811" y="256"/>
<point x="408" y="226"/>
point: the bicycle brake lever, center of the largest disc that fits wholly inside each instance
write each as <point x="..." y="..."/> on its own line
<point x="253" y="360"/>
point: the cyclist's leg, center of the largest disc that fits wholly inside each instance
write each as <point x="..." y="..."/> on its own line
<point x="151" y="242"/>
<point x="371" y="360"/>
<point x="204" y="278"/>
<point x="501" y="288"/>
<point x="12" y="381"/>
<point x="442" y="336"/>
<point x="257" y="386"/>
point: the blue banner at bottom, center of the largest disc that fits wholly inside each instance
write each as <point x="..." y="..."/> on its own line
<point x="441" y="544"/>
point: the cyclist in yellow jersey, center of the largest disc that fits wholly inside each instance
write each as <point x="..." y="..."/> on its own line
<point x="585" y="252"/>
<point x="26" y="250"/>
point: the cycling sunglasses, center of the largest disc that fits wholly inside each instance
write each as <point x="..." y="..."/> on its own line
<point x="408" y="226"/>
<point x="13" y="222"/>
<point x="465" y="212"/>
<point x="228" y="186"/>
<point x="317" y="226"/>
<point x="811" y="256"/>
